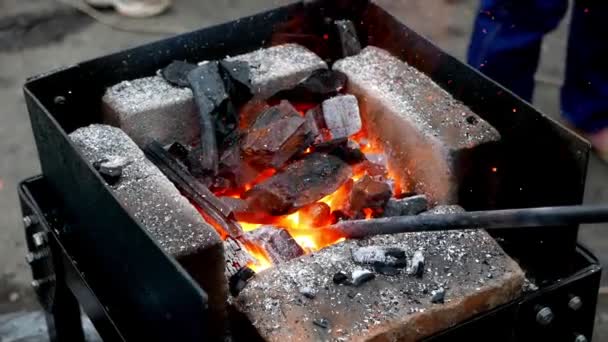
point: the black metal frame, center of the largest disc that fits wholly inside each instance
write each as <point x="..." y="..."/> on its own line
<point x="146" y="293"/>
<point x="514" y="321"/>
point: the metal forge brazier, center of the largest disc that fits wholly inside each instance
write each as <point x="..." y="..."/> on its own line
<point x="101" y="256"/>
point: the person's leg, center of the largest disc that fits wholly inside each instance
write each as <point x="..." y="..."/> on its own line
<point x="585" y="90"/>
<point x="507" y="37"/>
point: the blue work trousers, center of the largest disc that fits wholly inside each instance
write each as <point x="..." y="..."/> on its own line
<point x="506" y="45"/>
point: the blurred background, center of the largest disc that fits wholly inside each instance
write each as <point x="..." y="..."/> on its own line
<point x="37" y="36"/>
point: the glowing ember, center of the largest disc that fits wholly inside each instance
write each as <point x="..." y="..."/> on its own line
<point x="303" y="225"/>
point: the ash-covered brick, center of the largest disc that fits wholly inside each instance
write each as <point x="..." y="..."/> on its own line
<point x="279" y="67"/>
<point x="391" y="307"/>
<point x="151" y="108"/>
<point x="425" y="131"/>
<point x="157" y="204"/>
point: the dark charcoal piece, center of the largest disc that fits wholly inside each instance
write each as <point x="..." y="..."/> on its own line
<point x="278" y="134"/>
<point x="438" y="296"/>
<point x="369" y="193"/>
<point x="237" y="79"/>
<point x="321" y="84"/>
<point x="277" y="243"/>
<point x="193" y="189"/>
<point x="406" y="206"/>
<point x="321" y="322"/>
<point x="111" y="170"/>
<point x="275" y="113"/>
<point x="239" y="280"/>
<point x="341" y="116"/>
<point x="315" y="127"/>
<point x="347" y="33"/>
<point x="361" y="276"/>
<point x="301" y="183"/>
<point x="226" y="121"/>
<point x="386" y="270"/>
<point x="342" y="148"/>
<point x="179" y="151"/>
<point x="233" y="167"/>
<point x="209" y="95"/>
<point x="177" y="72"/>
<point x="205" y="80"/>
<point x="340" y="278"/>
<point x="273" y="145"/>
<point x="250" y="112"/>
<point x="239" y="210"/>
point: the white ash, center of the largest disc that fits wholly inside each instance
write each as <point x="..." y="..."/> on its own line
<point x="279" y="67"/>
<point x="308" y="292"/>
<point x="375" y="254"/>
<point x="341" y="116"/>
<point x="416" y="264"/>
<point x="360" y="276"/>
<point x="146" y="193"/>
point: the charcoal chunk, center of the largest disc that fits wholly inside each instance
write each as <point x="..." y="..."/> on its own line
<point x="379" y="255"/>
<point x="110" y="169"/>
<point x="278" y="243"/>
<point x="249" y="113"/>
<point x="240" y="210"/>
<point x="369" y="193"/>
<point x="341" y="116"/>
<point x="301" y="183"/>
<point x="179" y="151"/>
<point x="321" y="322"/>
<point x="320" y="85"/>
<point x="340" y="278"/>
<point x="275" y="113"/>
<point x="237" y="80"/>
<point x="347" y="34"/>
<point x="345" y="149"/>
<point x="238" y="281"/>
<point x="416" y="267"/>
<point x="438" y="296"/>
<point x="386" y="270"/>
<point x="278" y="134"/>
<point x="406" y="206"/>
<point x="209" y="95"/>
<point x="361" y="276"/>
<point x="177" y="72"/>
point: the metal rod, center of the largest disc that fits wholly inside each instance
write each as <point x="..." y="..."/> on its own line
<point x="491" y="219"/>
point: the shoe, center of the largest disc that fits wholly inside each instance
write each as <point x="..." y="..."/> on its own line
<point x="133" y="8"/>
<point x="599" y="140"/>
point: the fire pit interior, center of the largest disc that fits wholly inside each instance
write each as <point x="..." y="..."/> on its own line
<point x="235" y="160"/>
<point x="270" y="146"/>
